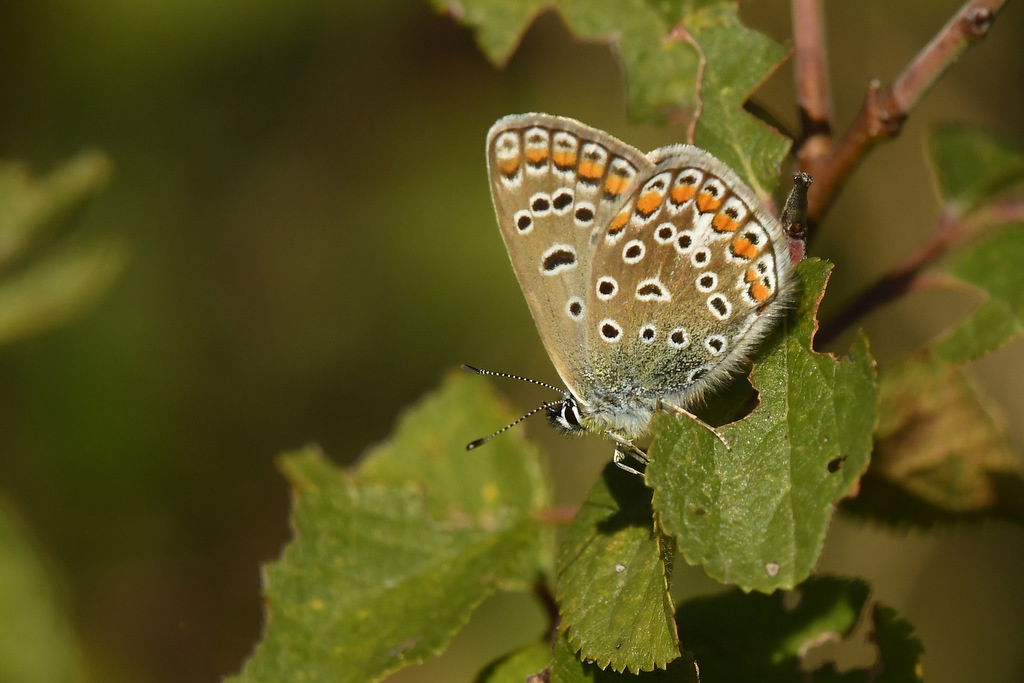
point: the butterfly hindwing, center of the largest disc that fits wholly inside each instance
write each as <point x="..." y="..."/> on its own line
<point x="687" y="277"/>
<point x="557" y="185"/>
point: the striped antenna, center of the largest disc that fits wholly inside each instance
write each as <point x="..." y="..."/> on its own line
<point x="543" y="406"/>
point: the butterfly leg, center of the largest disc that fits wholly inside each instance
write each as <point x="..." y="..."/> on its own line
<point x="683" y="411"/>
<point x="625" y="448"/>
<point x="620" y="461"/>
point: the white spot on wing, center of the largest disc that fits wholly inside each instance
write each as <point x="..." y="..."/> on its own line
<point x="606" y="287"/>
<point x="575" y="308"/>
<point x="633" y="251"/>
<point x="664" y="233"/>
<point x="678" y="338"/>
<point x="707" y="282"/>
<point x="715" y="344"/>
<point x="523" y="222"/>
<point x="540" y="204"/>
<point x="558" y="258"/>
<point x="719" y="306"/>
<point x="609" y="330"/>
<point x="652" y="289"/>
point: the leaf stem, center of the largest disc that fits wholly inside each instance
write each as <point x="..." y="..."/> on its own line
<point x="950" y="230"/>
<point x="547" y="601"/>
<point x="885" y="109"/>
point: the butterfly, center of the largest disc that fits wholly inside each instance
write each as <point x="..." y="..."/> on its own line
<point x="651" y="277"/>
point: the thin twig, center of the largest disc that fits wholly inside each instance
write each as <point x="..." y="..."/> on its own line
<point x="811" y="71"/>
<point x="884" y="110"/>
<point x="950" y="230"/>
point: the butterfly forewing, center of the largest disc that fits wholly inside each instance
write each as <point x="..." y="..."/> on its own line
<point x="682" y="281"/>
<point x="557" y="186"/>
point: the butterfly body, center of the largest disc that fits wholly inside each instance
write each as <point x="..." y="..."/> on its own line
<point x="651" y="277"/>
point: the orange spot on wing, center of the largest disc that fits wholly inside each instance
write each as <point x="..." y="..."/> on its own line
<point x="618" y="223"/>
<point x="590" y="169"/>
<point x="509" y="166"/>
<point x="536" y="154"/>
<point x="707" y="202"/>
<point x="564" y="159"/>
<point x="751" y="275"/>
<point x="760" y="292"/>
<point x="742" y="247"/>
<point x="615" y="185"/>
<point x="723" y="222"/>
<point x="683" y="193"/>
<point x="648" y="203"/>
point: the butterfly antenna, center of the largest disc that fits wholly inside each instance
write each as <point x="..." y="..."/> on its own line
<point x="480" y="442"/>
<point x="543" y="406"/>
<point x="478" y="371"/>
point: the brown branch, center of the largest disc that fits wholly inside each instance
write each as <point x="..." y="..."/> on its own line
<point x="950" y="230"/>
<point x="811" y="71"/>
<point x="884" y="110"/>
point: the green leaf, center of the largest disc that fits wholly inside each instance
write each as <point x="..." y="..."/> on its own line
<point x="518" y="666"/>
<point x="756" y="515"/>
<point x="36" y="641"/>
<point x="738" y="61"/>
<point x="940" y="455"/>
<point x="58" y="287"/>
<point x="972" y="166"/>
<point x="659" y="73"/>
<point x="613" y="580"/>
<point x="389" y="561"/>
<point x="28" y="204"/>
<point x="899" y="650"/>
<point x="499" y="24"/>
<point x="751" y="637"/>
<point x="568" y="668"/>
<point x="992" y="266"/>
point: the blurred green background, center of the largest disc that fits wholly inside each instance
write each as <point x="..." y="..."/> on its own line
<point x="302" y="187"/>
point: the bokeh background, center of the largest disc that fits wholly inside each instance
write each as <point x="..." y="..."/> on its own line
<point x="302" y="188"/>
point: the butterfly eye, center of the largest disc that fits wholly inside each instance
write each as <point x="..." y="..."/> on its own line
<point x="571" y="413"/>
<point x="565" y="417"/>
